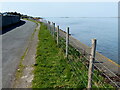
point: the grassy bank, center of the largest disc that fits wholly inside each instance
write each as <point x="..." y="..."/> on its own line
<point x="53" y="70"/>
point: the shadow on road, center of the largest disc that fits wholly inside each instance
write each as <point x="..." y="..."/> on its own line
<point x="11" y="27"/>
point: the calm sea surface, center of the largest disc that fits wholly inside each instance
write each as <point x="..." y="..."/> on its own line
<point x="105" y="30"/>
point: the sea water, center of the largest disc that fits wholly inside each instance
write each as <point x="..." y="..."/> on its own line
<point x="105" y="30"/>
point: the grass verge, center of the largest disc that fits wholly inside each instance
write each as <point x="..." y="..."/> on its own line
<point x="53" y="70"/>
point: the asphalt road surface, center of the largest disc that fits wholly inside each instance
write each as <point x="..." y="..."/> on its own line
<point x="14" y="44"/>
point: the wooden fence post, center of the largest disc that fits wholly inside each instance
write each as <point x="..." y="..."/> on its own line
<point x="57" y="35"/>
<point x="44" y="22"/>
<point x="48" y="25"/>
<point x="91" y="62"/>
<point x="53" y="29"/>
<point x="67" y="41"/>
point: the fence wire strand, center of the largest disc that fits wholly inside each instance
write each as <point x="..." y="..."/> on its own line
<point x="86" y="55"/>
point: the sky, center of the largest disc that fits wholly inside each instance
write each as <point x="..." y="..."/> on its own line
<point x="63" y="9"/>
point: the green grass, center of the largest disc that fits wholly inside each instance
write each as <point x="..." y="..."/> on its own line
<point x="80" y="66"/>
<point x="53" y="70"/>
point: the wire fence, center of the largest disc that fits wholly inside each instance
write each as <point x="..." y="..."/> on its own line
<point x="103" y="70"/>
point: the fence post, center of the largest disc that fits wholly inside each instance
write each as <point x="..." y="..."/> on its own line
<point x="84" y="52"/>
<point x="57" y="35"/>
<point x="53" y="29"/>
<point x="91" y="62"/>
<point x="67" y="41"/>
<point x="48" y="25"/>
<point x="46" y="22"/>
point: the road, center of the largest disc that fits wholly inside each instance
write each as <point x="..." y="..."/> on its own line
<point x="14" y="44"/>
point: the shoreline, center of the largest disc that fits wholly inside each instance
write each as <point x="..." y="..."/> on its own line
<point x="110" y="60"/>
<point x="79" y="28"/>
<point x="113" y="66"/>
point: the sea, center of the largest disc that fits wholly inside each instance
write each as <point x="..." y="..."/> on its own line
<point x="105" y="30"/>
